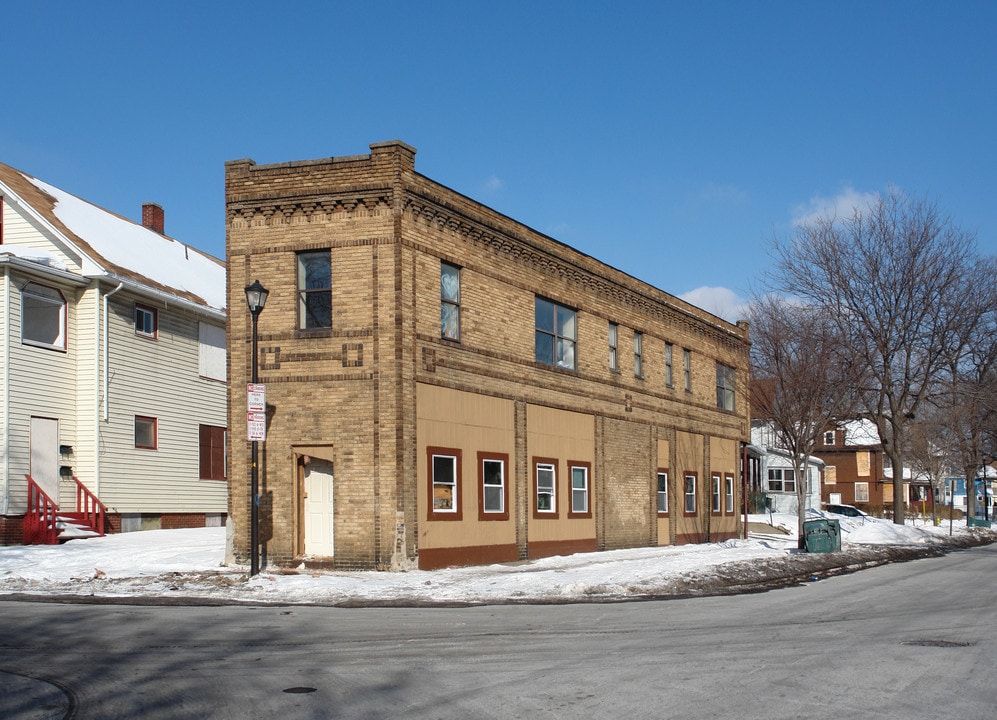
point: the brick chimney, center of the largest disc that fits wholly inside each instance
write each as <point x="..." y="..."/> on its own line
<point x="153" y="217"/>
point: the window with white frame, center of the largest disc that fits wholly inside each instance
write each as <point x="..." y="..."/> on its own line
<point x="614" y="359"/>
<point x="444" y="483"/>
<point x="638" y="354"/>
<point x="211" y="351"/>
<point x="662" y="492"/>
<point x="725" y="387"/>
<point x="555" y="334"/>
<point x="43" y="317"/>
<point x="862" y="492"/>
<point x="715" y="497"/>
<point x="493" y="486"/>
<point x="690" y="494"/>
<point x="546" y="488"/>
<point x="687" y="369"/>
<point x="146" y="321"/>
<point x="579" y="490"/>
<point x="782" y="480"/>
<point x="829" y="437"/>
<point x="729" y="494"/>
<point x="315" y="290"/>
<point x="668" y="364"/>
<point x="449" y="301"/>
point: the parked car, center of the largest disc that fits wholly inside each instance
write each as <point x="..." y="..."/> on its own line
<point x="846" y="510"/>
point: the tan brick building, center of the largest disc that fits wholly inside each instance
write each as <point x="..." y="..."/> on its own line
<point x="448" y="386"/>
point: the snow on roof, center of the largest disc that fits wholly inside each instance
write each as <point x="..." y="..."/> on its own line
<point x="141" y="250"/>
<point x="122" y="248"/>
<point x="860" y="432"/>
<point x="41" y="257"/>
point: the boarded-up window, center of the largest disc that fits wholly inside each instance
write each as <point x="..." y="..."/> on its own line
<point x="211" y="443"/>
<point x="830" y="475"/>
<point x="211" y="351"/>
<point x="862" y="463"/>
<point x="888" y="492"/>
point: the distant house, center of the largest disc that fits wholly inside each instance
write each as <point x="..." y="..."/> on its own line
<point x="773" y="476"/>
<point x="854" y="472"/>
<point x="114" y="363"/>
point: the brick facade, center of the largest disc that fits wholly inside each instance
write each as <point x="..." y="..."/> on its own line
<point x="372" y="392"/>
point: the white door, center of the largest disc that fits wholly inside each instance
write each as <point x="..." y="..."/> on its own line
<point x="44" y="466"/>
<point x="318" y="508"/>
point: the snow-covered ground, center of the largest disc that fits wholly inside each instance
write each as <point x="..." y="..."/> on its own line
<point x="188" y="565"/>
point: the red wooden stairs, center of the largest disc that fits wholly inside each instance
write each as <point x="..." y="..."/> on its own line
<point x="46" y="524"/>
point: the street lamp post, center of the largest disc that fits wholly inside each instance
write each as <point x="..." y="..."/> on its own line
<point x="256" y="298"/>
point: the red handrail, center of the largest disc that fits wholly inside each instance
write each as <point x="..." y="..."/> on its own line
<point x="90" y="507"/>
<point x="40" y="518"/>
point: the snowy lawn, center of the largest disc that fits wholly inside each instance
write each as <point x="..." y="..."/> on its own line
<point x="189" y="564"/>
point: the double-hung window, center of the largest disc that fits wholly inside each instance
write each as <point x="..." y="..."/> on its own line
<point x="715" y="497"/>
<point x="146" y="321"/>
<point x="546" y="488"/>
<point x="782" y="480"/>
<point x="690" y="494"/>
<point x="862" y="492"/>
<point x="614" y="359"/>
<point x="687" y="369"/>
<point x="449" y="301"/>
<point x="728" y="494"/>
<point x="668" y="364"/>
<point x="493" y="487"/>
<point x="662" y="492"/>
<point x="638" y="353"/>
<point x="315" y="290"/>
<point x="43" y="317"/>
<point x="580" y="491"/>
<point x="555" y="334"/>
<point x="725" y="387"/>
<point x="444" y="483"/>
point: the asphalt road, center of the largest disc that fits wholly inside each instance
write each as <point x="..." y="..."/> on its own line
<point x="911" y="640"/>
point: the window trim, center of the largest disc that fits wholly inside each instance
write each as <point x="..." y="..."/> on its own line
<point x="688" y="475"/>
<point x="62" y="341"/>
<point x="587" y="467"/>
<point x="729" y="504"/>
<point x="456" y="513"/>
<point x="302" y="294"/>
<point x="638" y="355"/>
<point x="826" y="434"/>
<point x="556" y="337"/>
<point x="855" y="492"/>
<point x="210" y="430"/>
<point x="781" y="480"/>
<point x="154" y="422"/>
<point x="446" y="302"/>
<point x="535" y="486"/>
<point x="150" y="312"/>
<point x="662" y="472"/>
<point x="716" y="494"/>
<point x="503" y="458"/>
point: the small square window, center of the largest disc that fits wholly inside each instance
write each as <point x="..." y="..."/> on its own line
<point x="829" y="437"/>
<point x="146" y="321"/>
<point x="146" y="433"/>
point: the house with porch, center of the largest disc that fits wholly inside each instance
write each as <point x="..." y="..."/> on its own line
<point x="113" y="404"/>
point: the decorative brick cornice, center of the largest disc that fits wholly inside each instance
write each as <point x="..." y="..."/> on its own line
<point x="309" y="208"/>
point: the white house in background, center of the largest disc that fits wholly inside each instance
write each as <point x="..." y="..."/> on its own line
<point x="113" y="360"/>
<point x="776" y="477"/>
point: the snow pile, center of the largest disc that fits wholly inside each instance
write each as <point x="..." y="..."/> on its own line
<point x="188" y="564"/>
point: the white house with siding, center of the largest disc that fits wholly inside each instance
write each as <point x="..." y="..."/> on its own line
<point x="777" y="478"/>
<point x="113" y="361"/>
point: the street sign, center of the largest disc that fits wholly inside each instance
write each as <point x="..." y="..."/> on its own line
<point x="257" y="425"/>
<point x="257" y="397"/>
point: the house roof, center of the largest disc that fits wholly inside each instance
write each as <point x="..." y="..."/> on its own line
<point x="118" y="248"/>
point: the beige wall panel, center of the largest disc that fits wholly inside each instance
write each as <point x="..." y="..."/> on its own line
<point x="664" y="523"/>
<point x="689" y="458"/>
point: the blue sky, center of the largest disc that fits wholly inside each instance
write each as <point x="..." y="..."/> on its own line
<point x="670" y="140"/>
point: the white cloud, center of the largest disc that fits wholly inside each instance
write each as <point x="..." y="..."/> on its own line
<point x="842" y="205"/>
<point x="720" y="301"/>
<point x="493" y="184"/>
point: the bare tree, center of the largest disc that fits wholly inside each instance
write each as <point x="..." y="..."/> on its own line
<point x="894" y="278"/>
<point x="805" y="379"/>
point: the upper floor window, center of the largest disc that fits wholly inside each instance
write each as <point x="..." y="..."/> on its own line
<point x="725" y="387"/>
<point x="638" y="352"/>
<point x="314" y="290"/>
<point x="211" y="357"/>
<point x="146" y="321"/>
<point x="449" y="301"/>
<point x="43" y="316"/>
<point x="146" y="432"/>
<point x="614" y="359"/>
<point x="829" y="437"/>
<point x="555" y="334"/>
<point x="687" y="369"/>
<point x="668" y="364"/>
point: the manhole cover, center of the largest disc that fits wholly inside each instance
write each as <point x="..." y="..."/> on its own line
<point x="299" y="690"/>
<point x="938" y="643"/>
